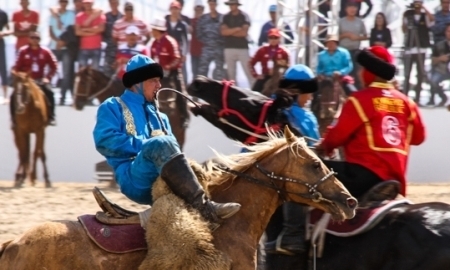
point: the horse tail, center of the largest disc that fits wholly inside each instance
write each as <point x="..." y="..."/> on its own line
<point x="4" y="246"/>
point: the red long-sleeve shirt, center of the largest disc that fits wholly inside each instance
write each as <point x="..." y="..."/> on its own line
<point x="35" y="61"/>
<point x="266" y="53"/>
<point x="165" y="52"/>
<point x="376" y="128"/>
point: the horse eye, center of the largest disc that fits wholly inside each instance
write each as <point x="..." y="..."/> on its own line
<point x="317" y="165"/>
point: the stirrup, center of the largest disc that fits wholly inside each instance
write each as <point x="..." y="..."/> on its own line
<point x="106" y="219"/>
<point x="111" y="208"/>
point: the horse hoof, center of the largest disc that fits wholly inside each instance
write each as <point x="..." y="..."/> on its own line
<point x="48" y="185"/>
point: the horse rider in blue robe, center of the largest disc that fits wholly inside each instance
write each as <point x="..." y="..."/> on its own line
<point x="137" y="141"/>
<point x="298" y="78"/>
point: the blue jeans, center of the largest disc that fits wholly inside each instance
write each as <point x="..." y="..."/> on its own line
<point x="145" y="169"/>
<point x="435" y="79"/>
<point x="67" y="69"/>
<point x="92" y="54"/>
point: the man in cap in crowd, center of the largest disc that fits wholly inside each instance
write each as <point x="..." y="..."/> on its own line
<point x="138" y="143"/>
<point x="336" y="62"/>
<point x="165" y="51"/>
<point x="208" y="33"/>
<point x="263" y="37"/>
<point x="234" y="29"/>
<point x="300" y="79"/>
<point x="376" y="128"/>
<point x="129" y="49"/>
<point x="270" y="56"/>
<point x="34" y="58"/>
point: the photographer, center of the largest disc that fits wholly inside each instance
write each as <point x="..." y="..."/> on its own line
<point x="440" y="72"/>
<point x="416" y="23"/>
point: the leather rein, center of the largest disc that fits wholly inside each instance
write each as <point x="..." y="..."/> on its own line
<point x="313" y="194"/>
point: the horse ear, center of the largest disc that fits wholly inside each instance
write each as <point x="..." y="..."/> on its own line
<point x="290" y="137"/>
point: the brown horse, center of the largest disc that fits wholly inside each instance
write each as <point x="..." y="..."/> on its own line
<point x="30" y="117"/>
<point x="294" y="173"/>
<point x="91" y="83"/>
<point x="327" y="103"/>
<point x="271" y="86"/>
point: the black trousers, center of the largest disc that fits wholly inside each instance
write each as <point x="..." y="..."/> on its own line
<point x="3" y="66"/>
<point x="356" y="178"/>
<point x="49" y="95"/>
<point x="258" y="86"/>
<point x="409" y="60"/>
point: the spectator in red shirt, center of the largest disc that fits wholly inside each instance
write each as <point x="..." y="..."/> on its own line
<point x="268" y="56"/>
<point x="196" y="45"/>
<point x="25" y="21"/>
<point x="129" y="49"/>
<point x="34" y="59"/>
<point x="89" y="28"/>
<point x="164" y="50"/>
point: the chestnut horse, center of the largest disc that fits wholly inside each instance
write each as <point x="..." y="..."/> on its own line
<point x="295" y="173"/>
<point x="271" y="86"/>
<point x="31" y="116"/>
<point x="91" y="83"/>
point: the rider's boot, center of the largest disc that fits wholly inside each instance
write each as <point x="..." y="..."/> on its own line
<point x="180" y="178"/>
<point x="51" y="110"/>
<point x="291" y="240"/>
<point x="183" y="110"/>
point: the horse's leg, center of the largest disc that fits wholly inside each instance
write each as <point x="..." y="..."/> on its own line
<point x="26" y="156"/>
<point x="48" y="184"/>
<point x="22" y="143"/>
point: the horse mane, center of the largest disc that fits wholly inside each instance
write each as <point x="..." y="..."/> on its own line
<point x="28" y="82"/>
<point x="243" y="161"/>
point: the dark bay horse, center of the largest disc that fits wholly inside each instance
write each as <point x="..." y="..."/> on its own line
<point x="240" y="113"/>
<point x="31" y="116"/>
<point x="91" y="83"/>
<point x="415" y="236"/>
<point x="65" y="245"/>
<point x="271" y="86"/>
<point x="327" y="102"/>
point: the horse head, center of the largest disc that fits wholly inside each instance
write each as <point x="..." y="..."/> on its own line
<point x="90" y="84"/>
<point x="235" y="110"/>
<point x="21" y="86"/>
<point x="287" y="166"/>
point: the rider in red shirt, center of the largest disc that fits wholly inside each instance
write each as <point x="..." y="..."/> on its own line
<point x="268" y="56"/>
<point x="34" y="59"/>
<point x="377" y="126"/>
<point x="165" y="51"/>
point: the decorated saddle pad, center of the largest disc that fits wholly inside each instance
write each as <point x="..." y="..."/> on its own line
<point x="114" y="238"/>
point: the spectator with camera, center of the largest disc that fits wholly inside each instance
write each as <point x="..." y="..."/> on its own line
<point x="417" y="21"/>
<point x="440" y="72"/>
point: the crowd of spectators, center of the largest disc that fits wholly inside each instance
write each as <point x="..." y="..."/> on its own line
<point x="77" y="35"/>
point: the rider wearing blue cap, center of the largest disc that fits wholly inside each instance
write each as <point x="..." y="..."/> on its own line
<point x="301" y="79"/>
<point x="138" y="143"/>
<point x="298" y="78"/>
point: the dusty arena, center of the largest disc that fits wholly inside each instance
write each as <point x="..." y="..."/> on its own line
<point x="29" y="206"/>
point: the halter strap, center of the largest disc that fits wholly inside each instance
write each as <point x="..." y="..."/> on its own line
<point x="257" y="129"/>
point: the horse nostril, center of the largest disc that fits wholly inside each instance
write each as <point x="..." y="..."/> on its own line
<point x="352" y="203"/>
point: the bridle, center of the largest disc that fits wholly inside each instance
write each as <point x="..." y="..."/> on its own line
<point x="255" y="130"/>
<point x="313" y="194"/>
<point x="88" y="87"/>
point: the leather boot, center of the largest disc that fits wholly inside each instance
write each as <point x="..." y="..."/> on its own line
<point x="291" y="240"/>
<point x="180" y="178"/>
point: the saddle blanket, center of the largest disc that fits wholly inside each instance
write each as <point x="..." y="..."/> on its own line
<point x="364" y="220"/>
<point x="114" y="238"/>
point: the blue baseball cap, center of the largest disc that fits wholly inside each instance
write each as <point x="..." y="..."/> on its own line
<point x="273" y="8"/>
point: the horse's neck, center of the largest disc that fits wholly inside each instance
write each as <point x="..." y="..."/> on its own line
<point x="258" y="205"/>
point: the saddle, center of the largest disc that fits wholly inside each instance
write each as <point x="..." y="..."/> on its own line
<point x="373" y="206"/>
<point x="112" y="213"/>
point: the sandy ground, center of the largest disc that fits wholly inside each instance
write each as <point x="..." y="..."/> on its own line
<point x="23" y="208"/>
